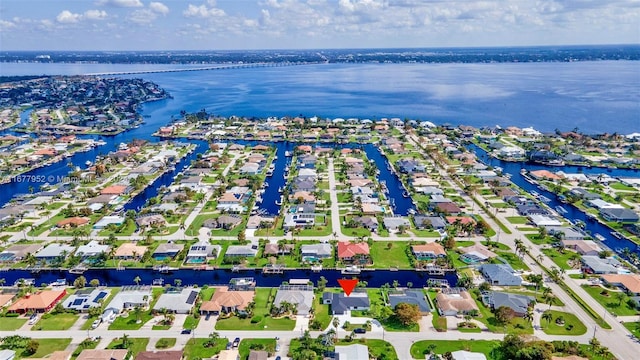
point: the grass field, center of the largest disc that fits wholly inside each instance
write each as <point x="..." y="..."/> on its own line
<point x="136" y="345"/>
<point x="61" y="321"/>
<point x="561" y="259"/>
<point x="622" y="307"/>
<point x="195" y="348"/>
<point x="377" y="348"/>
<point x="572" y="325"/>
<point x="262" y="302"/>
<point x="268" y="345"/>
<point x="419" y="348"/>
<point x="520" y="220"/>
<point x="11" y="323"/>
<point x="634" y="328"/>
<point x="396" y="256"/>
<point x="165" y="343"/>
<point x="321" y="313"/>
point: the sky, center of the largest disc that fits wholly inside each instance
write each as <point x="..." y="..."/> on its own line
<point x="312" y="24"/>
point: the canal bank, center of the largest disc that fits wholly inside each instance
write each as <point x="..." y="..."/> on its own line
<point x="573" y="213"/>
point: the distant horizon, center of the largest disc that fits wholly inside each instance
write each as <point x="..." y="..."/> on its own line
<point x="332" y="49"/>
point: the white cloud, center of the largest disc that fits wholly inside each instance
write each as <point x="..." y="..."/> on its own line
<point x="67" y="17"/>
<point x="143" y="16"/>
<point x="159" y="7"/>
<point x="204" y="11"/>
<point x="6" y="25"/>
<point x="122" y="3"/>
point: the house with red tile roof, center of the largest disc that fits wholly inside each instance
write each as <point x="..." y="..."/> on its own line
<point x="114" y="190"/>
<point x="72" y="222"/>
<point x="40" y="302"/>
<point x="350" y="252"/>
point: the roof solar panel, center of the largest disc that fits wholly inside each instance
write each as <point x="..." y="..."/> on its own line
<point x="77" y="302"/>
<point x="192" y="297"/>
<point x="100" y="296"/>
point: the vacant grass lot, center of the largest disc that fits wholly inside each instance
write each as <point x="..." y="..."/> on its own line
<point x="268" y="345"/>
<point x="136" y="345"/>
<point x="262" y="301"/>
<point x="520" y="220"/>
<point x="195" y="348"/>
<point x="11" y="323"/>
<point x="572" y="325"/>
<point x="419" y="349"/>
<point x="62" y="321"/>
<point x="395" y="256"/>
<point x="561" y="259"/>
<point x="622" y="307"/>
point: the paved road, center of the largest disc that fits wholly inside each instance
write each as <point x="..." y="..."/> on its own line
<point x="333" y="195"/>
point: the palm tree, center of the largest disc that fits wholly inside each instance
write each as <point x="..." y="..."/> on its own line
<point x="137" y="280"/>
<point x="125" y="341"/>
<point x="620" y="296"/>
<point x="2" y="282"/>
<point x="137" y="311"/>
<point x="547" y="316"/>
<point x="336" y="322"/>
<point x="528" y="316"/>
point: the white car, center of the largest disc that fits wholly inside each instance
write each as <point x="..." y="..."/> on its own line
<point x="95" y="324"/>
<point x="33" y="319"/>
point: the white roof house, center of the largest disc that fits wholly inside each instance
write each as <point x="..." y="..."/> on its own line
<point x="542" y="220"/>
<point x="352" y="352"/>
<point x="84" y="299"/>
<point x="467" y="355"/>
<point x="129" y="297"/>
<point x="108" y="220"/>
<point x="179" y="302"/>
<point x="93" y="248"/>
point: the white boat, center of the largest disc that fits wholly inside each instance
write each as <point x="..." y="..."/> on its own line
<point x="287" y="153"/>
<point x="88" y="163"/>
<point x="544" y="199"/>
<point x="561" y="210"/>
<point x="599" y="237"/>
<point x="351" y="270"/>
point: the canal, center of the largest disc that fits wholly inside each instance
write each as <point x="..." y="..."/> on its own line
<point x="573" y="213"/>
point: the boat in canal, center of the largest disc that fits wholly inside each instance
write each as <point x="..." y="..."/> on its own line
<point x="561" y="210"/>
<point x="544" y="199"/>
<point x="405" y="194"/>
<point x="351" y="270"/>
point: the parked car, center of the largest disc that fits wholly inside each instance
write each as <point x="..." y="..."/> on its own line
<point x="95" y="324"/>
<point x="277" y="347"/>
<point x="185" y="331"/>
<point x="360" y="330"/>
<point x="229" y="345"/>
<point x="33" y="319"/>
<point x="278" y="357"/>
<point x="236" y="342"/>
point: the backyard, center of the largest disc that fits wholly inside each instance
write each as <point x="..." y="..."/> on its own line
<point x="261" y="319"/>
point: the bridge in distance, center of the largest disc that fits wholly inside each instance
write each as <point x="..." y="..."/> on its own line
<point x="207" y="68"/>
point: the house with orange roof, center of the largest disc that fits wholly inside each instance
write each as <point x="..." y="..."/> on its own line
<point x="129" y="251"/>
<point x="462" y="220"/>
<point x="630" y="283"/>
<point x="544" y="175"/>
<point x="39" y="302"/>
<point x="115" y="190"/>
<point x="428" y="251"/>
<point x="72" y="222"/>
<point x="5" y="299"/>
<point x="350" y="252"/>
<point x="226" y="301"/>
<point x="48" y="152"/>
<point x="305" y="148"/>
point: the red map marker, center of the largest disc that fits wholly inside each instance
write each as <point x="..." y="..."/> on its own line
<point x="348" y="285"/>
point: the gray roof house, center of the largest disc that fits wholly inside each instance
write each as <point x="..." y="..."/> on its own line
<point x="167" y="250"/>
<point x="393" y="223"/>
<point x="619" y="214"/>
<point x="241" y="250"/>
<point x="340" y="303"/>
<point x="596" y="265"/>
<point x="317" y="250"/>
<point x="300" y="295"/>
<point x="201" y="251"/>
<point x="352" y="352"/>
<point x="501" y="275"/>
<point x="84" y="299"/>
<point x="423" y="222"/>
<point x="54" y="251"/>
<point x="568" y="232"/>
<point x="415" y="297"/>
<point x="516" y="302"/>
<point x="367" y="222"/>
<point x="93" y="248"/>
<point x="179" y="301"/>
<point x="130" y="297"/>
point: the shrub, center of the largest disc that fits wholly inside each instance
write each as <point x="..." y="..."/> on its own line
<point x="256" y="319"/>
<point x="12" y="315"/>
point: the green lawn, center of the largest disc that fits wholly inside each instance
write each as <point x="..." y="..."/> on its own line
<point x="377" y="348"/>
<point x="561" y="259"/>
<point x="46" y="347"/>
<point x="165" y="343"/>
<point x="130" y="322"/>
<point x="11" y="323"/>
<point x="356" y="232"/>
<point x="190" y="322"/>
<point x="617" y="307"/>
<point x="136" y="345"/>
<point x="396" y="256"/>
<point x="513" y="260"/>
<point x="246" y="345"/>
<point x="571" y="326"/>
<point x="634" y="328"/>
<point x="321" y="313"/>
<point x="419" y="348"/>
<point x="195" y="348"/>
<point x="262" y="300"/>
<point x="515" y="326"/>
<point x="62" y="321"/>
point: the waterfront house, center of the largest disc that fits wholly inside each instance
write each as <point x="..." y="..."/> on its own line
<point x="108" y="220"/>
<point x="319" y="251"/>
<point x="116" y="190"/>
<point x="544" y="220"/>
<point x="371" y="208"/>
<point x="240" y="251"/>
<point x="428" y="251"/>
<point x="582" y="247"/>
<point x="409" y="166"/>
<point x="566" y="233"/>
<point x="225" y="301"/>
<point x="500" y="275"/>
<point x="277" y="249"/>
<point x="342" y="304"/>
<point x="151" y="220"/>
<point x="302" y="197"/>
<point x="629" y="283"/>
<point x="299" y="295"/>
<point x="584" y="194"/>
<point x="84" y="299"/>
<point x="520" y="304"/>
<point x="39" y="302"/>
<point x="129" y="251"/>
<point x="307" y="174"/>
<point x="354" y="253"/>
<point x="530" y="209"/>
<point x="201" y="252"/>
<point x="414" y="297"/>
<point x="54" y="252"/>
<point x="167" y="250"/>
<point x="392" y="224"/>
<point x="428" y="190"/>
<point x="250" y="168"/>
<point x="448" y="208"/>
<point x="18" y="252"/>
<point x="300" y="184"/>
<point x="91" y="250"/>
<point x="351" y="352"/>
<point x="128" y="298"/>
<point x="179" y="301"/>
<point x="619" y="215"/>
<point x="596" y="265"/>
<point x="454" y="301"/>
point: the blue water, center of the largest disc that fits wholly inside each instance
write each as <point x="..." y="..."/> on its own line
<point x="111" y="277"/>
<point x="401" y="205"/>
<point x="573" y="213"/>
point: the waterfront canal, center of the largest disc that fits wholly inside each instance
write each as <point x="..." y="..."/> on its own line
<point x="573" y="213"/>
